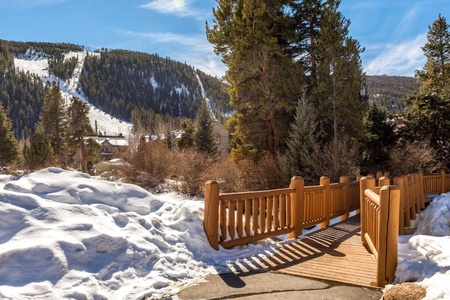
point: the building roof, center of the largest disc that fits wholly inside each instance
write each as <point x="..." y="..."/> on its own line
<point x="118" y="141"/>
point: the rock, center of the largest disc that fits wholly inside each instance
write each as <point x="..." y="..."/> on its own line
<point x="405" y="291"/>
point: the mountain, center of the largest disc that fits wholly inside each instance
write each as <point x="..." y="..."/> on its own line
<point x="391" y="91"/>
<point x="115" y="83"/>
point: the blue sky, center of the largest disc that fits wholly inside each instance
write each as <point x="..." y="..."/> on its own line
<point x="392" y="31"/>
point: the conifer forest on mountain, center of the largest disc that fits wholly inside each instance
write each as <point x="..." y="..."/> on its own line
<point x="294" y="99"/>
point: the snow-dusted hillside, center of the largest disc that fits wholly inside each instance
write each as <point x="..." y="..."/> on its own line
<point x="38" y="65"/>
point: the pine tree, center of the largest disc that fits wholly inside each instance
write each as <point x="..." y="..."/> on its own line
<point x="339" y="77"/>
<point x="204" y="138"/>
<point x="378" y="140"/>
<point x="300" y="145"/>
<point x="9" y="149"/>
<point x="40" y="153"/>
<point x="186" y="141"/>
<point x="54" y="123"/>
<point x="427" y="120"/>
<point x="255" y="40"/>
<point x="78" y="127"/>
<point x="435" y="75"/>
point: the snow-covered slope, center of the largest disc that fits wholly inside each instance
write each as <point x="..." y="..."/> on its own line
<point x="39" y="66"/>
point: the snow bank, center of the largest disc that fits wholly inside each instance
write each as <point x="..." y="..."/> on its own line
<point x="424" y="258"/>
<point x="64" y="234"/>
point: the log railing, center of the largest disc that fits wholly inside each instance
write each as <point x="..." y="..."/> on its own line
<point x="239" y="218"/>
<point x="379" y="226"/>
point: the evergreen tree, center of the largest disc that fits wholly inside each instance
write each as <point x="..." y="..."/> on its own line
<point x="204" y="138"/>
<point x="339" y="77"/>
<point x="300" y="145"/>
<point x="378" y="140"/>
<point x="308" y="14"/>
<point x="435" y="75"/>
<point x="78" y="127"/>
<point x="186" y="141"/>
<point x="427" y="120"/>
<point x="54" y="123"/>
<point x="40" y="153"/>
<point x="255" y="40"/>
<point x="9" y="149"/>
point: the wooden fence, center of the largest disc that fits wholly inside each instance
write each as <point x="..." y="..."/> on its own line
<point x="238" y="218"/>
<point x="380" y="226"/>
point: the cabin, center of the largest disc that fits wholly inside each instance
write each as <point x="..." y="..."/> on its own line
<point x="112" y="147"/>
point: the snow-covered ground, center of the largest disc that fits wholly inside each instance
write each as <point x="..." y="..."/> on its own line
<point x="424" y="257"/>
<point x="39" y="66"/>
<point x="66" y="235"/>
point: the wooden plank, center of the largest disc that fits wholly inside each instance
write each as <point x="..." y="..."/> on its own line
<point x="334" y="253"/>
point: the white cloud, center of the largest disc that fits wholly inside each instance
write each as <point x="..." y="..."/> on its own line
<point x="195" y="50"/>
<point x="179" y="8"/>
<point x="402" y="58"/>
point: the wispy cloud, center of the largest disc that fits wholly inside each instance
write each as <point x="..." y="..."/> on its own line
<point x="34" y="3"/>
<point x="402" y="58"/>
<point x="195" y="50"/>
<point x="179" y="8"/>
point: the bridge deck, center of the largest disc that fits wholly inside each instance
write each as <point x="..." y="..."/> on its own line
<point x="334" y="253"/>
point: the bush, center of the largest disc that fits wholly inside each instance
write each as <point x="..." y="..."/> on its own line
<point x="151" y="165"/>
<point x="246" y="175"/>
<point x="413" y="158"/>
<point x="189" y="167"/>
<point x="333" y="161"/>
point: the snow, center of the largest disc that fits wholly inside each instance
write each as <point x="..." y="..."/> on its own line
<point x="424" y="257"/>
<point x="39" y="66"/>
<point x="66" y="235"/>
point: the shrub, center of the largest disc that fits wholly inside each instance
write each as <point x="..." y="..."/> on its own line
<point x="412" y="158"/>
<point x="189" y="167"/>
<point x="151" y="165"/>
<point x="246" y="175"/>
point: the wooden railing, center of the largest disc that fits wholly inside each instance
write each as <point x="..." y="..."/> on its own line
<point x="239" y="218"/>
<point x="379" y="226"/>
<point x="414" y="189"/>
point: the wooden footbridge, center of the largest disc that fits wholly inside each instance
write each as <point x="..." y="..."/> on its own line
<point x="361" y="250"/>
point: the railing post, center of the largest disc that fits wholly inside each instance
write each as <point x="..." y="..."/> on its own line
<point x="379" y="175"/>
<point x="404" y="220"/>
<point x="392" y="233"/>
<point x="297" y="205"/>
<point x="382" y="181"/>
<point x="211" y="214"/>
<point x="442" y="181"/>
<point x="365" y="183"/>
<point x="422" y="190"/>
<point x="346" y="195"/>
<point x="325" y="182"/>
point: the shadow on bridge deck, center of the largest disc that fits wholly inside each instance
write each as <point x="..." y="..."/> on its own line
<point x="334" y="253"/>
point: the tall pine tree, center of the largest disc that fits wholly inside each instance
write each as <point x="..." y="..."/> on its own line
<point x="9" y="149"/>
<point x="255" y="40"/>
<point x="203" y="137"/>
<point x="79" y="126"/>
<point x="54" y="123"/>
<point x="435" y="75"/>
<point x="428" y="117"/>
<point x="339" y="77"/>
